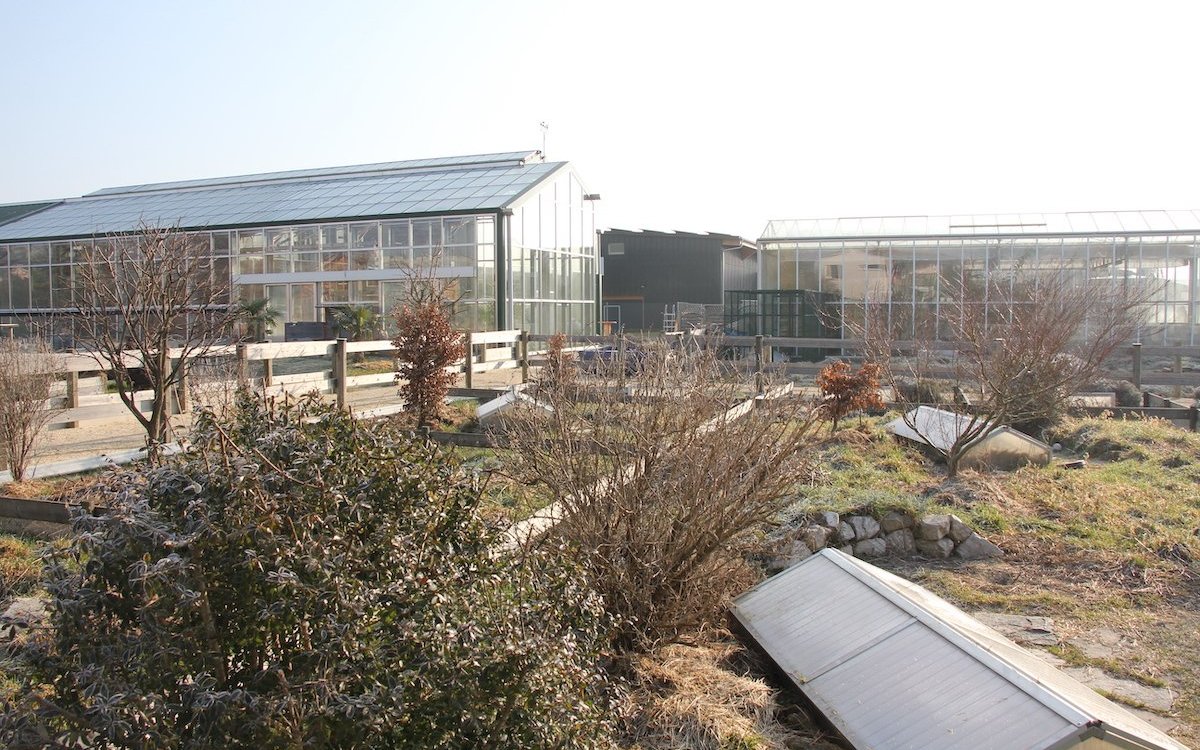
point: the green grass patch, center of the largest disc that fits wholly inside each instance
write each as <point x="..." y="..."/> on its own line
<point x="20" y="565"/>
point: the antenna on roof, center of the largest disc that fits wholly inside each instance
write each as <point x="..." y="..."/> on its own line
<point x="545" y="126"/>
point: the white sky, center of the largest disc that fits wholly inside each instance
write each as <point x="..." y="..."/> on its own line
<point x="694" y="115"/>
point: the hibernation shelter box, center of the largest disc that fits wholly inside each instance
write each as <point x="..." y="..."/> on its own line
<point x="1003" y="448"/>
<point x="493" y="413"/>
<point x="892" y="666"/>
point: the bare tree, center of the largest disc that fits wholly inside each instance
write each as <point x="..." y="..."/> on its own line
<point x="660" y="490"/>
<point x="28" y="370"/>
<point x="1021" y="343"/>
<point x="145" y="305"/>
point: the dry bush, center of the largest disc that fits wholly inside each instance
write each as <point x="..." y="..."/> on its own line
<point x="28" y="369"/>
<point x="426" y="343"/>
<point x="660" y="492"/>
<point x="845" y="391"/>
<point x="213" y="385"/>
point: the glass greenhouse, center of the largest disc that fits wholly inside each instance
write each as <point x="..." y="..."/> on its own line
<point x="902" y="260"/>
<point x="514" y="232"/>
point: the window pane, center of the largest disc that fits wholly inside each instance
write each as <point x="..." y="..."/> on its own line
<point x="364" y="235"/>
<point x="396" y="234"/>
<point x="335" y="261"/>
<point x="335" y="291"/>
<point x="334" y="236"/>
<point x="39" y="254"/>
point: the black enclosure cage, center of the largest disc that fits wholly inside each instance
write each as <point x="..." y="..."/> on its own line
<point x="791" y="313"/>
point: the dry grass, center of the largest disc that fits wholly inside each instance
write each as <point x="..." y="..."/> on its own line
<point x="708" y="695"/>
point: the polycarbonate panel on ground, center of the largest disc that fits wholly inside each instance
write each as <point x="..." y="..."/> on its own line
<point x="814" y="617"/>
<point x="914" y="690"/>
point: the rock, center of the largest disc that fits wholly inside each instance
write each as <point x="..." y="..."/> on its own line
<point x="1024" y="629"/>
<point x="23" y="613"/>
<point x="1103" y="643"/>
<point x="846" y="549"/>
<point x="864" y="527"/>
<point x="933" y="527"/>
<point x="1057" y="447"/>
<point x="976" y="547"/>
<point x="959" y="531"/>
<point x="828" y="519"/>
<point x="792" y="554"/>
<point x="845" y="532"/>
<point x="1159" y="699"/>
<point x="901" y="543"/>
<point x="870" y="548"/>
<point x="894" y="521"/>
<point x="814" y="537"/>
<point x="938" y="549"/>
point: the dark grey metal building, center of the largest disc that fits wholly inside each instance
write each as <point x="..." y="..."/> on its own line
<point x="647" y="272"/>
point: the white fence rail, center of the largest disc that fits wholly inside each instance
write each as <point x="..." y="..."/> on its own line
<point x="81" y="399"/>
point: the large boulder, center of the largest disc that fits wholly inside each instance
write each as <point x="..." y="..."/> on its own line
<point x="814" y="537"/>
<point x="845" y="532"/>
<point x="864" y="527"/>
<point x="959" y="531"/>
<point x="894" y="521"/>
<point x="870" y="548"/>
<point x="900" y="543"/>
<point x="976" y="547"/>
<point x="828" y="519"/>
<point x="933" y="527"/>
<point x="938" y="549"/>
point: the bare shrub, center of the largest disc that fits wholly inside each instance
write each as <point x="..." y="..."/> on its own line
<point x="147" y="304"/>
<point x="659" y="492"/>
<point x="28" y="370"/>
<point x="1022" y="341"/>
<point x="559" y="369"/>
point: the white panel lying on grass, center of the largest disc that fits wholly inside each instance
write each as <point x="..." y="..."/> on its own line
<point x="493" y="412"/>
<point x="893" y="666"/>
<point x="1003" y="448"/>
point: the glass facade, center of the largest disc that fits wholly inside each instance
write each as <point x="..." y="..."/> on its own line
<point x="907" y="271"/>
<point x="529" y="264"/>
<point x="553" y="260"/>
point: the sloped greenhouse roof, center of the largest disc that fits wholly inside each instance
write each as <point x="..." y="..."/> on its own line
<point x="986" y="225"/>
<point x="425" y="186"/>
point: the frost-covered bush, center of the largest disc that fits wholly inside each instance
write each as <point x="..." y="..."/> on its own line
<point x="300" y="580"/>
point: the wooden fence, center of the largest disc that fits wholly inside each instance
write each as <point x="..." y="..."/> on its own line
<point x="495" y="350"/>
<point x="81" y="399"/>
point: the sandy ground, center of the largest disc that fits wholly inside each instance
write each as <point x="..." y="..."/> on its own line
<point x="98" y="437"/>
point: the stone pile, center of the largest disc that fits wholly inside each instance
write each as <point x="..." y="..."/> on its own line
<point x="896" y="534"/>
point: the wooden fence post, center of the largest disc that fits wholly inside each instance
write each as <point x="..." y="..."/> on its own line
<point x="1177" y="391"/>
<point x="758" y="364"/>
<point x="243" y="369"/>
<point x="268" y="372"/>
<point x="523" y="353"/>
<point x="1137" y="365"/>
<point x="621" y="362"/>
<point x="72" y="394"/>
<point x="339" y="372"/>
<point x="470" y="358"/>
<point x="1193" y="417"/>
